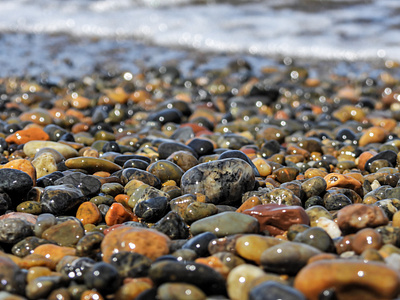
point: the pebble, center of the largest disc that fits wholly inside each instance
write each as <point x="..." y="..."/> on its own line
<point x="57" y="199"/>
<point x="31" y="147"/>
<point x="239" y="281"/>
<point x="226" y="223"/>
<point x="92" y="164"/>
<point x="21" y="137"/>
<point x="181" y="291"/>
<point x="148" y="242"/>
<point x="287" y="258"/>
<point x="222" y="181"/>
<point x="349" y="278"/>
<point x="277" y="218"/>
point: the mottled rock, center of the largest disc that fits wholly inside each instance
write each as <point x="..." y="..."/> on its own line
<point x="222" y="181"/>
<point x="58" y="199"/>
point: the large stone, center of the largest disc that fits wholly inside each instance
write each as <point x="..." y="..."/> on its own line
<point x="222" y="181"/>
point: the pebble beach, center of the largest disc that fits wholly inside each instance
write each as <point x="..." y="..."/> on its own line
<point x="130" y="170"/>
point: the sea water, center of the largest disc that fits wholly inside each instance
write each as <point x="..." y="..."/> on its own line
<point x="73" y="37"/>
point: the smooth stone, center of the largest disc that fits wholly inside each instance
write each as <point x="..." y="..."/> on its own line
<point x="201" y="146"/>
<point x="226" y="223"/>
<point x="58" y="199"/>
<point x="199" y="210"/>
<point x="277" y="218"/>
<point x="89" y="244"/>
<point x="366" y="238"/>
<point x="13" y="230"/>
<point x="251" y="246"/>
<point x="285" y="174"/>
<point x="199" y="243"/>
<point x="152" y="210"/>
<point x="13" y="279"/>
<point x="103" y="277"/>
<point x="138" y="192"/>
<point x="148" y="242"/>
<point x="239" y="154"/>
<point x="316" y="212"/>
<point x="181" y="291"/>
<point x="184" y="159"/>
<point x="316" y="237"/>
<point x="166" y="115"/>
<point x="222" y="181"/>
<point x="287" y="258"/>
<point x="202" y="276"/>
<point x="66" y="234"/>
<point x="271" y="290"/>
<point x="225" y="244"/>
<point x="44" y="164"/>
<point x="131" y="264"/>
<point x="31" y="207"/>
<point x="173" y="226"/>
<point x="15" y="183"/>
<point x="41" y="287"/>
<point x="314" y="186"/>
<point x="30" y="148"/>
<point x="165" y="149"/>
<point x="49" y="179"/>
<point x="92" y="164"/>
<point x="135" y="163"/>
<point x="351" y="279"/>
<point x="21" y="164"/>
<point x="144" y="176"/>
<point x="330" y="226"/>
<point x="136" y="289"/>
<point x="88" y="213"/>
<point x="5" y="202"/>
<point x="89" y="185"/>
<point x="43" y="222"/>
<point x="27" y="245"/>
<point x="335" y="201"/>
<point x="166" y="170"/>
<point x="54" y="252"/>
<point x="112" y="188"/>
<point x="117" y="213"/>
<point x="122" y="159"/>
<point x="358" y="216"/>
<point x="239" y="280"/>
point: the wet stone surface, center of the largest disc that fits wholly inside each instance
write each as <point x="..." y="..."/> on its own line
<point x="234" y="183"/>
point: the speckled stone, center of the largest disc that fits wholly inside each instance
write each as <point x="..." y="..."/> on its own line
<point x="226" y="223"/>
<point x="66" y="234"/>
<point x="173" y="226"/>
<point x="27" y="246"/>
<point x="142" y="175"/>
<point x="13" y="230"/>
<point x="222" y="181"/>
<point x="13" y="278"/>
<point x="148" y="242"/>
<point x="358" y="216"/>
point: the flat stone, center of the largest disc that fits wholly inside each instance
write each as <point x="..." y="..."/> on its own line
<point x="30" y="148"/>
<point x="226" y="223"/>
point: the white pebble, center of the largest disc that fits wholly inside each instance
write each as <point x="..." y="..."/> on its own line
<point x="330" y="226"/>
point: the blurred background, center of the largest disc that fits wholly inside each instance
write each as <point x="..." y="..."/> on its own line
<point x="75" y="36"/>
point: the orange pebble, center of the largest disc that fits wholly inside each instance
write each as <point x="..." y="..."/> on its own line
<point x="54" y="252"/>
<point x="118" y="214"/>
<point x="102" y="174"/>
<point x="25" y="135"/>
<point x="88" y="213"/>
<point x="22" y="165"/>
<point x="91" y="295"/>
<point x="123" y="199"/>
<point x="215" y="263"/>
<point x="249" y="203"/>
<point x="343" y="181"/>
<point x="36" y="260"/>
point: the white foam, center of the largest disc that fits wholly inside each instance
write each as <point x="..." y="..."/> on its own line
<point x="320" y="29"/>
